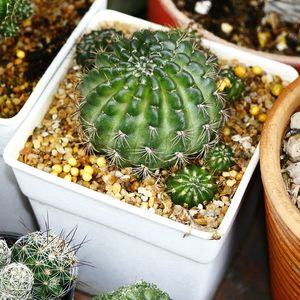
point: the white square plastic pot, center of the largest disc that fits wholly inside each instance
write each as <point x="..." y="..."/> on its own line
<point x="126" y="242"/>
<point x="15" y="211"/>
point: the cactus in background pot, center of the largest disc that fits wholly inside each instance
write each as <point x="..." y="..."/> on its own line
<point x="5" y="254"/>
<point x="152" y="101"/>
<point x="16" y="281"/>
<point x="12" y="12"/>
<point x="139" y="291"/>
<point x="52" y="261"/>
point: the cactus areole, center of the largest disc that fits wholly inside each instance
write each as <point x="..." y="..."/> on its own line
<point x="151" y="101"/>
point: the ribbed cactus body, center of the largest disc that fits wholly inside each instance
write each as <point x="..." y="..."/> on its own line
<point x="236" y="88"/>
<point x="16" y="281"/>
<point x="191" y="185"/>
<point x="151" y="100"/>
<point x="52" y="262"/>
<point x="5" y="253"/>
<point x="138" y="291"/>
<point x="12" y="12"/>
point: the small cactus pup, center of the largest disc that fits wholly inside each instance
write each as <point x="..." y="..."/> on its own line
<point x="219" y="158"/>
<point x="140" y="290"/>
<point x="5" y="254"/>
<point x="231" y="85"/>
<point x="93" y="42"/>
<point x="151" y="101"/>
<point x="191" y="185"/>
<point x="52" y="261"/>
<point x="16" y="281"/>
<point x="12" y="12"/>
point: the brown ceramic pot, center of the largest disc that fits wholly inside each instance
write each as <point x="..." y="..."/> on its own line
<point x="165" y="12"/>
<point x="282" y="217"/>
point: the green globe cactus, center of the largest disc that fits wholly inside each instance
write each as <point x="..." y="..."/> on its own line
<point x="12" y="12"/>
<point x="236" y="85"/>
<point x="52" y="261"/>
<point x="191" y="185"/>
<point x="219" y="158"/>
<point x="139" y="291"/>
<point x="5" y="254"/>
<point x="93" y="42"/>
<point x="151" y="101"/>
<point x="16" y="281"/>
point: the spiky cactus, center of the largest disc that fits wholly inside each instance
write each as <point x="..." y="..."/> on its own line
<point x="151" y="101"/>
<point x="52" y="261"/>
<point x="236" y="85"/>
<point x="138" y="291"/>
<point x="16" y="281"/>
<point x="12" y="12"/>
<point x="191" y="185"/>
<point x="219" y="158"/>
<point x="93" y="42"/>
<point x="5" y="254"/>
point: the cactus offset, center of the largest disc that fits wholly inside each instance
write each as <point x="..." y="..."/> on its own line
<point x="51" y="260"/>
<point x="16" y="281"/>
<point x="5" y="254"/>
<point x="219" y="158"/>
<point x="191" y="185"/>
<point x="138" y="291"/>
<point x="236" y="85"/>
<point x="151" y="101"/>
<point x="93" y="42"/>
<point x="12" y="12"/>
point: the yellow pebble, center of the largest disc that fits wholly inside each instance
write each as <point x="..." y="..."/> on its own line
<point x="254" y="110"/>
<point x="101" y="162"/>
<point x="88" y="169"/>
<point x="20" y="54"/>
<point x="262" y="117"/>
<point x="67" y="168"/>
<point x="57" y="168"/>
<point x="86" y="176"/>
<point x="226" y="131"/>
<point x="277" y="89"/>
<point x="116" y="188"/>
<point x="72" y="161"/>
<point x="221" y="85"/>
<point x="263" y="38"/>
<point x="257" y="70"/>
<point x="240" y="71"/>
<point x="74" y="171"/>
<point x="68" y="177"/>
<point x="54" y="173"/>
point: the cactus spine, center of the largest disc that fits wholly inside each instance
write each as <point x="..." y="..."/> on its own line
<point x="138" y="291"/>
<point x="12" y="12"/>
<point x="5" y="254"/>
<point x="51" y="260"/>
<point x="16" y="281"/>
<point x="151" y="101"/>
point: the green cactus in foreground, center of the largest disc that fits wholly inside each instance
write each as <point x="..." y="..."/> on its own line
<point x="93" y="42"/>
<point x="151" y="101"/>
<point x="191" y="185"/>
<point x="51" y="260"/>
<point x="16" y="281"/>
<point x="236" y="88"/>
<point x="219" y="158"/>
<point x="12" y="12"/>
<point x="5" y="254"/>
<point x="138" y="291"/>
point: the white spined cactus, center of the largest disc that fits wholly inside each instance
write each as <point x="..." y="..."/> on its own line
<point x="5" y="254"/>
<point x="16" y="281"/>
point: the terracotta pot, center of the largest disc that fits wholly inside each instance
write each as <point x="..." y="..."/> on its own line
<point x="282" y="217"/>
<point x="165" y="12"/>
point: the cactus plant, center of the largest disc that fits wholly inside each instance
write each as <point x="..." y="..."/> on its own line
<point x="5" y="254"/>
<point x="191" y="185"/>
<point x="219" y="158"/>
<point x="151" y="101"/>
<point x="52" y="261"/>
<point x="12" y="12"/>
<point x="93" y="42"/>
<point x="16" y="281"/>
<point x="139" y="291"/>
